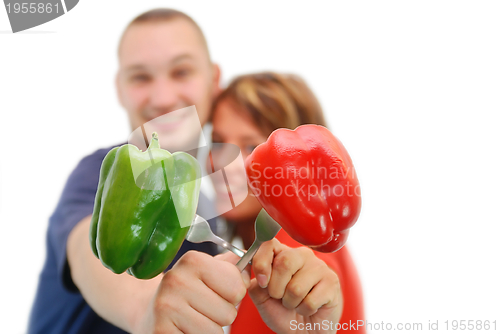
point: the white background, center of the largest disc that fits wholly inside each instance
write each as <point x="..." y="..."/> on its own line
<point x="411" y="88"/>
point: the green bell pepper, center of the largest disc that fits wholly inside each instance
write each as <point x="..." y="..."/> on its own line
<point x="144" y="205"/>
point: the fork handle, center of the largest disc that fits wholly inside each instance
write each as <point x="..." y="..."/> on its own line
<point x="242" y="263"/>
<point x="224" y="244"/>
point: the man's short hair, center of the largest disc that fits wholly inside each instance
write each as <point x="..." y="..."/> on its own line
<point x="161" y="15"/>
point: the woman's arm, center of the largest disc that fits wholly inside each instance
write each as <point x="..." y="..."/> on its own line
<point x="294" y="288"/>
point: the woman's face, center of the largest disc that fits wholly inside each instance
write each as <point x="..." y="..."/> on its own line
<point x="231" y="125"/>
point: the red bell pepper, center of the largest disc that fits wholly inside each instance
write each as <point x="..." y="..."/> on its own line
<point x="305" y="179"/>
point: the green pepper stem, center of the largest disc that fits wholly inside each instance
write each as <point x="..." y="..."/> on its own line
<point x="154" y="143"/>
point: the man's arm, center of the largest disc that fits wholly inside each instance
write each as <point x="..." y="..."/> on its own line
<point x="117" y="298"/>
<point x="199" y="294"/>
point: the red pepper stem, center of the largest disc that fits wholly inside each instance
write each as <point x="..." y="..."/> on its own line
<point x="154" y="143"/>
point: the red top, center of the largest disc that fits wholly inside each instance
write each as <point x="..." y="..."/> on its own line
<point x="249" y="321"/>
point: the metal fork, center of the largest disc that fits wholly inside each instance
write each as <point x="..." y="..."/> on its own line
<point x="266" y="228"/>
<point x="200" y="232"/>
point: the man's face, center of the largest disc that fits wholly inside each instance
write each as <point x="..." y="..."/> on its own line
<point x="164" y="67"/>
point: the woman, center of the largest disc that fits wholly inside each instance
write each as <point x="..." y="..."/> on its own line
<point x="245" y="114"/>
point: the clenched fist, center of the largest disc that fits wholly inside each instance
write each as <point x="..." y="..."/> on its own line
<point x="198" y="295"/>
<point x="292" y="284"/>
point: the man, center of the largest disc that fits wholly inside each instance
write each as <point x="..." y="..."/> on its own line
<point x="164" y="65"/>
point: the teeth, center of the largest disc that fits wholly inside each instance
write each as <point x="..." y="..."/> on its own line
<point x="172" y="117"/>
<point x="164" y="120"/>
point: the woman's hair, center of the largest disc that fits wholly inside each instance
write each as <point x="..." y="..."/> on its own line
<point x="274" y="100"/>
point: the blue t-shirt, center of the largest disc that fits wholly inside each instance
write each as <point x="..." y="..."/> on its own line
<point x="59" y="307"/>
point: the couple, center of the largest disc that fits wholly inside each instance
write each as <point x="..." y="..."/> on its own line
<point x="165" y="66"/>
